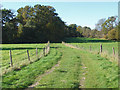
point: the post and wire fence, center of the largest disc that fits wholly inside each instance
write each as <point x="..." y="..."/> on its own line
<point x="90" y="48"/>
<point x="45" y="52"/>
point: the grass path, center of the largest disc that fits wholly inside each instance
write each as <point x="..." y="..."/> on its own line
<point x="46" y="73"/>
<point x="99" y="72"/>
<point x="67" y="74"/>
<point x="82" y="80"/>
<point x="81" y="69"/>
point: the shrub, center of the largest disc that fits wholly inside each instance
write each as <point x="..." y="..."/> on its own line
<point x="112" y="34"/>
<point x="106" y="36"/>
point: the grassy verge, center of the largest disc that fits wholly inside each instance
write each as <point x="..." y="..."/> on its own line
<point x="107" y="50"/>
<point x="100" y="72"/>
<point x="27" y="74"/>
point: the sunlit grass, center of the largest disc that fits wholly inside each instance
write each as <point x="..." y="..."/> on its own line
<point x="19" y="55"/>
<point x="26" y="76"/>
<point x="107" y="49"/>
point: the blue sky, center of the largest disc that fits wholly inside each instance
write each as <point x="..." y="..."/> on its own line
<point x="80" y="13"/>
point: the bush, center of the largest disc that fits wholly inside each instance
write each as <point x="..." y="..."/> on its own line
<point x="112" y="34"/>
<point x="106" y="36"/>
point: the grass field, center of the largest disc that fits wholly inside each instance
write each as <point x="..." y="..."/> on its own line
<point x="107" y="46"/>
<point x="26" y="75"/>
<point x="19" y="54"/>
<point x="107" y="49"/>
<point x="63" y="67"/>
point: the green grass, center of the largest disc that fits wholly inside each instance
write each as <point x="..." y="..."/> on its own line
<point x="107" y="50"/>
<point x="101" y="73"/>
<point x="85" y="43"/>
<point x="27" y="75"/>
<point x="19" y="55"/>
<point x="85" y="40"/>
<point x="21" y="46"/>
<point x="67" y="74"/>
<point x="106" y="63"/>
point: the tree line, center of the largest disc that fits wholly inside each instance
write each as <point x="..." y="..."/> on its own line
<point x="41" y="24"/>
<point x="105" y="28"/>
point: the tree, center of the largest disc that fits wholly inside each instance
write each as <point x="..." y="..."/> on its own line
<point x="117" y="28"/>
<point x="98" y="26"/>
<point x="109" y="24"/>
<point x="93" y="33"/>
<point x="9" y="26"/>
<point x="86" y="31"/>
<point x="112" y="34"/>
<point x="105" y="26"/>
<point x="72" y="29"/>
<point x="80" y="29"/>
<point x="40" y="24"/>
<point x="7" y="15"/>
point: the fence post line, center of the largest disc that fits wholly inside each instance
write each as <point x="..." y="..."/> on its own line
<point x="28" y="55"/>
<point x="36" y="52"/>
<point x="44" y="51"/>
<point x="113" y="51"/>
<point x="100" y="48"/>
<point x="48" y="42"/>
<point x="11" y="63"/>
<point x="47" y="49"/>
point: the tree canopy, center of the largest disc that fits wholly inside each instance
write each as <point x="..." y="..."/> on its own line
<point x="33" y="24"/>
<point x="41" y="24"/>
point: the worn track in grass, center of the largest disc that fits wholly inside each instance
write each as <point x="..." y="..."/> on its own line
<point x="46" y="73"/>
<point x="98" y="72"/>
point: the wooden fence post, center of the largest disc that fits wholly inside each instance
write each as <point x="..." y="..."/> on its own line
<point x="11" y="63"/>
<point x="28" y="55"/>
<point x="100" y="48"/>
<point x="36" y="52"/>
<point x="113" y="51"/>
<point x="48" y="41"/>
<point x="44" y="51"/>
<point x="48" y="48"/>
<point x="49" y="45"/>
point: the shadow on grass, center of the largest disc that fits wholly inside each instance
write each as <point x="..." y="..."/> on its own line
<point x="24" y="48"/>
<point x="85" y="40"/>
<point x="56" y="47"/>
<point x="18" y="48"/>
